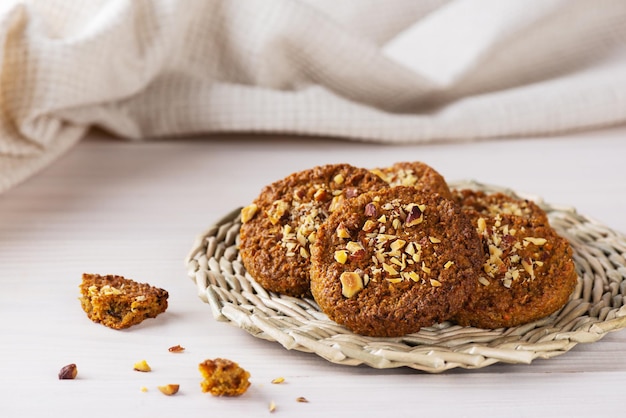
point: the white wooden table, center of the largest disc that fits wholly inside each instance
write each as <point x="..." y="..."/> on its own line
<point x="134" y="209"/>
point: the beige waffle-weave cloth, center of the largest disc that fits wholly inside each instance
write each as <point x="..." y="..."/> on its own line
<point x="377" y="70"/>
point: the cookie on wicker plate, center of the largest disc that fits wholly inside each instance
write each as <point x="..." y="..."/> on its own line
<point x="528" y="272"/>
<point x="280" y="224"/>
<point x="392" y="261"/>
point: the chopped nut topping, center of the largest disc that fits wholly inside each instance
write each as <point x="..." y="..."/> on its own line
<point x="248" y="212"/>
<point x="336" y="202"/>
<point x="390" y="269"/>
<point x="536" y="241"/>
<point x="142" y="366"/>
<point x="369" y="225"/>
<point x="380" y="174"/>
<point x="448" y="265"/>
<point x="415" y="216"/>
<point x="434" y="240"/>
<point x="68" y="372"/>
<point x="339" y="179"/>
<point x="277" y="211"/>
<point x="528" y="266"/>
<point x="320" y="195"/>
<point x="342" y="231"/>
<point x="482" y="226"/>
<point x="351" y="284"/>
<point x="169" y="390"/>
<point x="341" y="256"/>
<point x="370" y="210"/>
<point x="104" y="290"/>
<point x="278" y="380"/>
<point x="435" y="283"/>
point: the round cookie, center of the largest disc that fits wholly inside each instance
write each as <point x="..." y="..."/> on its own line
<point x="278" y="226"/>
<point x="528" y="272"/>
<point x="416" y="174"/>
<point x="392" y="261"/>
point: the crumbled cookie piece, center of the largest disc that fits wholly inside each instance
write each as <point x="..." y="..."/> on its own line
<point x="119" y="303"/>
<point x="223" y="377"/>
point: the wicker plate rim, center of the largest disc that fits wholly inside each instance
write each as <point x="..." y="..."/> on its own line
<point x="597" y="307"/>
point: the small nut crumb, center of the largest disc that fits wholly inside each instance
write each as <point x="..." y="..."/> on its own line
<point x="278" y="380"/>
<point x="370" y="210"/>
<point x="248" y="212"/>
<point x="342" y="232"/>
<point x="435" y="283"/>
<point x="351" y="283"/>
<point x="169" y="390"/>
<point x="142" y="366"/>
<point x="536" y="241"/>
<point x="302" y="399"/>
<point x="341" y="256"/>
<point x="143" y="389"/>
<point x="272" y="406"/>
<point x="68" y="372"/>
<point x="176" y="349"/>
<point x="415" y="216"/>
<point x="339" y="179"/>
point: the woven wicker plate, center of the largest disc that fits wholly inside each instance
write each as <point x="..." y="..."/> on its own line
<point x="597" y="306"/>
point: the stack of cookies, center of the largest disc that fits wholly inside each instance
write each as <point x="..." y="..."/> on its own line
<point x="389" y="250"/>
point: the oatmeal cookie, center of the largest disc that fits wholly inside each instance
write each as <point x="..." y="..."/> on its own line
<point x="528" y="272"/>
<point x="117" y="302"/>
<point x="416" y="174"/>
<point x="392" y="261"/>
<point x="223" y="377"/>
<point x="278" y="227"/>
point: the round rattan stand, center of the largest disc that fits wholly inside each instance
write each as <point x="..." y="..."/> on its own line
<point x="596" y="307"/>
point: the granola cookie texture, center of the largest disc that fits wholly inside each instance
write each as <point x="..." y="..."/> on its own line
<point x="392" y="261"/>
<point x="117" y="302"/>
<point x="280" y="225"/>
<point x="527" y="273"/>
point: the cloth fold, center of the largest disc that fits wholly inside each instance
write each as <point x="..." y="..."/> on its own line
<point x="376" y="70"/>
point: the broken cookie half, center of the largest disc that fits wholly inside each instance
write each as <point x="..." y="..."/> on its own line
<point x="118" y="303"/>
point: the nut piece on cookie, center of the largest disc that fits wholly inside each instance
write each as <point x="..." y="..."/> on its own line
<point x="117" y="302"/>
<point x="223" y="377"/>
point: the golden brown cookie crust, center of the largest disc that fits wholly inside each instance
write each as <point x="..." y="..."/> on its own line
<point x="119" y="303"/>
<point x="392" y="261"/>
<point x="416" y="174"/>
<point x="278" y="227"/>
<point x="528" y="272"/>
